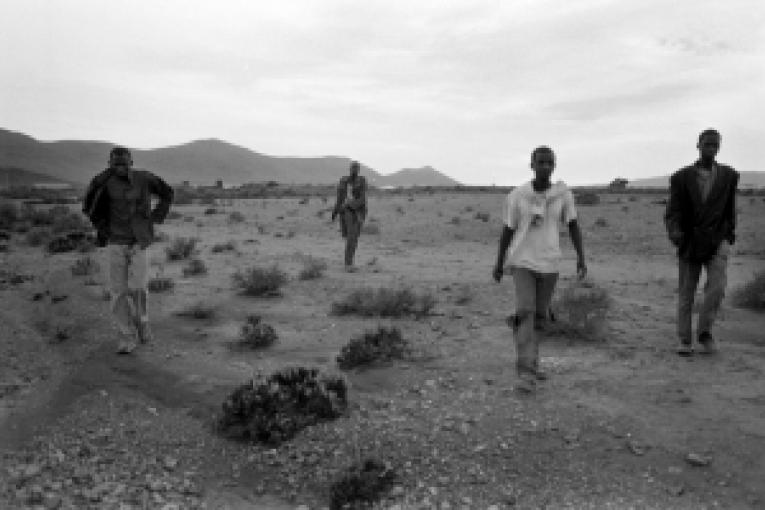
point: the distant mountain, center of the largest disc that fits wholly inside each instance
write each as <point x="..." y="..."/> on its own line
<point x="12" y="176"/>
<point x="425" y="176"/>
<point x="749" y="179"/>
<point x="199" y="162"/>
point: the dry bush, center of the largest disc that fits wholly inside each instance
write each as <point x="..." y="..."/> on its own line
<point x="399" y="209"/>
<point x="259" y="281"/>
<point x="582" y="309"/>
<point x="385" y="302"/>
<point x="633" y="198"/>
<point x="9" y="215"/>
<point x="361" y="485"/>
<point x="199" y="310"/>
<point x="273" y="409"/>
<point x="160" y="284"/>
<point x="211" y="210"/>
<point x="257" y="334"/>
<point x="312" y="268"/>
<point x="483" y="216"/>
<point x="85" y="266"/>
<point x="64" y="220"/>
<point x="384" y="344"/>
<point x="227" y="246"/>
<point x="181" y="248"/>
<point x="371" y="229"/>
<point x="586" y="198"/>
<point x="751" y="295"/>
<point x="455" y="220"/>
<point x="38" y="236"/>
<point x="174" y="215"/>
<point x="464" y="294"/>
<point x="236" y="217"/>
<point x="195" y="267"/>
<point x="601" y="222"/>
<point x="71" y="241"/>
<point x="303" y="201"/>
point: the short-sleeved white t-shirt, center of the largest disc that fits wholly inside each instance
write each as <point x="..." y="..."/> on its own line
<point x="536" y="219"/>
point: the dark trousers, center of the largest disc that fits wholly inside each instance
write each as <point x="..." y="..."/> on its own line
<point x="714" y="291"/>
<point x="350" y="226"/>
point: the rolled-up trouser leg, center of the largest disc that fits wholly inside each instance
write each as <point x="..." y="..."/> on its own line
<point x="526" y="346"/>
<point x="714" y="290"/>
<point x="688" y="279"/>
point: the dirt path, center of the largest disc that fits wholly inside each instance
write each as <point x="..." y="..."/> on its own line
<point x="81" y="427"/>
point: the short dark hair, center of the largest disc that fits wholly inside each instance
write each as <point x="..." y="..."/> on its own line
<point x="355" y="164"/>
<point x="120" y="152"/>
<point x="541" y="149"/>
<point x="710" y="132"/>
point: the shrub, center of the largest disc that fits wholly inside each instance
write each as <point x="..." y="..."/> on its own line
<point x="195" y="267"/>
<point x="174" y="215"/>
<point x="37" y="236"/>
<point x="273" y="409"/>
<point x="586" y="198"/>
<point x="236" y="217"/>
<point x="211" y="210"/>
<point x="384" y="302"/>
<point x="9" y="214"/>
<point x="199" y="310"/>
<point x="303" y="201"/>
<point x="399" y="209"/>
<point x="633" y="198"/>
<point x="85" y="266"/>
<point x="371" y="229"/>
<point x="63" y="220"/>
<point x="257" y="334"/>
<point x="227" y="246"/>
<point x="160" y="284"/>
<point x="601" y="222"/>
<point x="455" y="220"/>
<point x="464" y="294"/>
<point x="70" y="242"/>
<point x="312" y="268"/>
<point x="361" y="485"/>
<point x="752" y="294"/>
<point x="181" y="248"/>
<point x="382" y="345"/>
<point x="583" y="307"/>
<point x="483" y="216"/>
<point x="258" y="281"/>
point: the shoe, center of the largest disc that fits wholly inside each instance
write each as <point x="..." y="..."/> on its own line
<point x="685" y="349"/>
<point x="708" y="343"/>
<point x="144" y="332"/>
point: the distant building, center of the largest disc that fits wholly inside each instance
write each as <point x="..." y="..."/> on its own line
<point x="55" y="186"/>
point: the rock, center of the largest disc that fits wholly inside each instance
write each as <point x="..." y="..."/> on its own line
<point x="696" y="459"/>
<point x="635" y="448"/>
<point x="676" y="490"/>
<point x="169" y="463"/>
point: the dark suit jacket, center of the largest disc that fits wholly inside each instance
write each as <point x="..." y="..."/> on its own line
<point x="96" y="205"/>
<point x="702" y="225"/>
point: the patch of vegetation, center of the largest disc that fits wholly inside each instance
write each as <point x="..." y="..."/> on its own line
<point x="312" y="268"/>
<point x="181" y="248"/>
<point x="259" y="281"/>
<point x="72" y="241"/>
<point x="221" y="247"/>
<point x="38" y="236"/>
<point x="211" y="210"/>
<point x="582" y="308"/>
<point x="385" y="302"/>
<point x="361" y="485"/>
<point x="273" y="409"/>
<point x="382" y="345"/>
<point x="463" y="295"/>
<point x="85" y="266"/>
<point x="236" y="217"/>
<point x="257" y="334"/>
<point x="371" y="229"/>
<point x="9" y="214"/>
<point x="195" y="267"/>
<point x="483" y="216"/>
<point x="751" y="295"/>
<point x="160" y="284"/>
<point x="455" y="220"/>
<point x="586" y="198"/>
<point x="174" y="215"/>
<point x="199" y="310"/>
<point x="601" y="222"/>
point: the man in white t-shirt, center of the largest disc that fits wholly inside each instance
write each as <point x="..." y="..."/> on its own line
<point x="533" y="214"/>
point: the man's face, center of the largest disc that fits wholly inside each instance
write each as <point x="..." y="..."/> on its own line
<point x="709" y="146"/>
<point x="120" y="163"/>
<point x="543" y="165"/>
<point x="354" y="170"/>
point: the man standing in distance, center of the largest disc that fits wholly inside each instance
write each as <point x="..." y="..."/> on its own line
<point x="533" y="213"/>
<point x="351" y="206"/>
<point x="118" y="203"/>
<point x="701" y="222"/>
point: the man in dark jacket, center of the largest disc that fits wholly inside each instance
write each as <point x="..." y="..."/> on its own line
<point x="351" y="206"/>
<point x="118" y="203"/>
<point x="701" y="222"/>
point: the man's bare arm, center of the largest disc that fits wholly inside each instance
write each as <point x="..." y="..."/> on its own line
<point x="504" y="242"/>
<point x="576" y="239"/>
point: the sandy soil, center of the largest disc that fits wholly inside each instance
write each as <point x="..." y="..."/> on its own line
<point x="81" y="427"/>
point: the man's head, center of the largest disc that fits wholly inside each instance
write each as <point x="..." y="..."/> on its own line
<point x="709" y="144"/>
<point x="355" y="167"/>
<point x="120" y="160"/>
<point x="543" y="162"/>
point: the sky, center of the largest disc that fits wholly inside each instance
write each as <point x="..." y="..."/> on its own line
<point x="617" y="88"/>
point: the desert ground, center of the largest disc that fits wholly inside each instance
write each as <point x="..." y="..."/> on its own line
<point x="622" y="423"/>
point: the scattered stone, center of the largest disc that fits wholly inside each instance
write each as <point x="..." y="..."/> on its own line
<point x="696" y="459"/>
<point x="635" y="448"/>
<point x="676" y="490"/>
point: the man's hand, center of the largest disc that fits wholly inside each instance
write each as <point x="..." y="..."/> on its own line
<point x="497" y="273"/>
<point x="676" y="237"/>
<point x="334" y="214"/>
<point x="581" y="269"/>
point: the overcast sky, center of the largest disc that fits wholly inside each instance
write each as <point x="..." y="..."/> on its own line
<point x="617" y="88"/>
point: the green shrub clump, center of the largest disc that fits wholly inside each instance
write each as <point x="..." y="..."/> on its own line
<point x="384" y="344"/>
<point x="273" y="409"/>
<point x="85" y="266"/>
<point x="385" y="302"/>
<point x="181" y="248"/>
<point x="583" y="306"/>
<point x="259" y="281"/>
<point x="752" y="294"/>
<point x="312" y="268"/>
<point x="195" y="267"/>
<point x="160" y="284"/>
<point x="361" y="485"/>
<point x="256" y="333"/>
